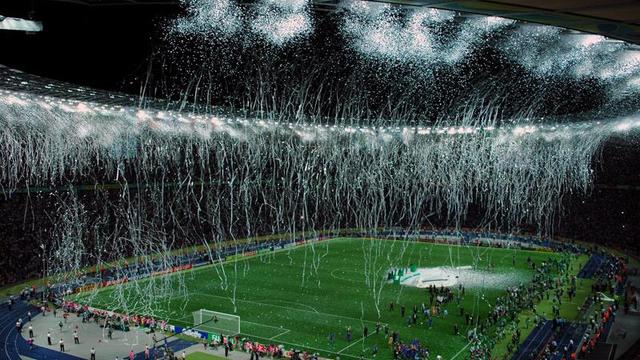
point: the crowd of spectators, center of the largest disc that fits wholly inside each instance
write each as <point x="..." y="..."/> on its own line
<point x="111" y="320"/>
<point x="25" y="225"/>
<point x="599" y="325"/>
<point x="611" y="276"/>
<point x="27" y="222"/>
<point x="544" y="285"/>
<point x="607" y="217"/>
<point x="413" y="350"/>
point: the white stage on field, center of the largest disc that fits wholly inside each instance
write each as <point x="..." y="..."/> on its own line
<point x="467" y="276"/>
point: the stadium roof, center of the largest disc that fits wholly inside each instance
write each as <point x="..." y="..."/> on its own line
<point x="618" y="19"/>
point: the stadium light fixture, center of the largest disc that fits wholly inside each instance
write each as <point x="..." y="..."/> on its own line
<point x="18" y="24"/>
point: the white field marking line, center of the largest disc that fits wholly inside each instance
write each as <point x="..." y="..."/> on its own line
<point x="261" y="324"/>
<point x="293" y="302"/>
<point x="227" y="262"/>
<point x="287" y="330"/>
<point x="240" y="258"/>
<point x="335" y="239"/>
<point x="461" y="350"/>
<point x="189" y="319"/>
<point x="288" y="343"/>
<point x="437" y="244"/>
<point x="282" y="333"/>
<point x="288" y="308"/>
<point x="341" y="278"/>
<point x="289" y="266"/>
<point x="350" y="345"/>
<point x="301" y="346"/>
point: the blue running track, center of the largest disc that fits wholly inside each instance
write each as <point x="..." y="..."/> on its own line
<point x="12" y="344"/>
<point x="535" y="342"/>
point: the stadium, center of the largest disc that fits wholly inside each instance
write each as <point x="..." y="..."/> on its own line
<point x="319" y="179"/>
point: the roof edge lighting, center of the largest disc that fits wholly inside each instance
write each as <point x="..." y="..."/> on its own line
<point x="18" y="24"/>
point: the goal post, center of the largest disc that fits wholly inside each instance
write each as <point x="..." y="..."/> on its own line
<point x="216" y="322"/>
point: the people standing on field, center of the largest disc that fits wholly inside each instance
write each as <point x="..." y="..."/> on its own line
<point x="332" y="338"/>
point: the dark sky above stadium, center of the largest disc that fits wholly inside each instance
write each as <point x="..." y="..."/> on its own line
<point x="113" y="47"/>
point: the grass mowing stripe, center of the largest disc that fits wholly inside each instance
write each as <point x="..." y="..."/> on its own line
<point x="460" y="352"/>
<point x="292" y="302"/>
<point x="288" y="290"/>
<point x="285" y="307"/>
<point x="284" y="332"/>
<point x="303" y="347"/>
<point x="347" y="347"/>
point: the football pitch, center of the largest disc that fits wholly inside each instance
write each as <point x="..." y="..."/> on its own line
<point x="298" y="296"/>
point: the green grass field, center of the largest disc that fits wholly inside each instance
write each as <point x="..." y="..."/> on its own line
<point x="297" y="297"/>
<point x="203" y="356"/>
<point x="568" y="310"/>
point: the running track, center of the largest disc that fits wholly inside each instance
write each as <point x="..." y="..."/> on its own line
<point x="535" y="341"/>
<point x="12" y="344"/>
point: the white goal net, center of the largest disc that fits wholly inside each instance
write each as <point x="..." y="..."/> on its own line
<point x="216" y="322"/>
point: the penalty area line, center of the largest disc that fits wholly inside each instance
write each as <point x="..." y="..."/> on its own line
<point x="299" y="346"/>
<point x="460" y="352"/>
<point x="282" y="333"/>
<point x="261" y="324"/>
<point x="286" y="308"/>
<point x="186" y="319"/>
<point x="350" y="345"/>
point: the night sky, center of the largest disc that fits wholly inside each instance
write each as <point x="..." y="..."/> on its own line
<point x="112" y="48"/>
